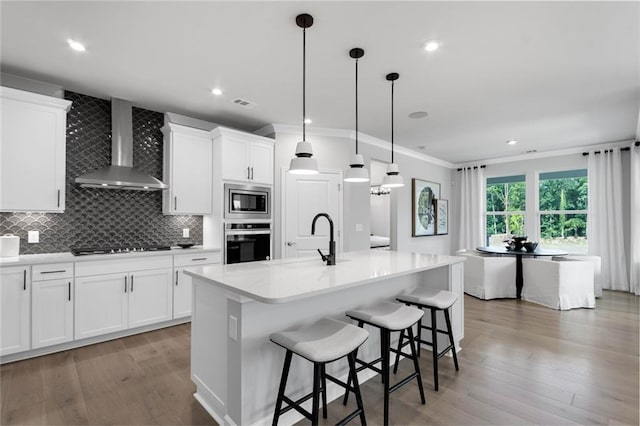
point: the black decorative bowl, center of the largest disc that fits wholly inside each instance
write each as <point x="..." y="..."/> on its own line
<point x="530" y="246"/>
<point x="186" y="245"/>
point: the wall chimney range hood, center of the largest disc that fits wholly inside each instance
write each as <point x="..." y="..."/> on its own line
<point x="121" y="174"/>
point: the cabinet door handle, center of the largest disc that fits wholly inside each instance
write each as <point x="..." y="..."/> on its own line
<point x="175" y="203"/>
<point x="125" y="283"/>
<point x="69" y="290"/>
<point x="58" y="198"/>
<point x="251" y="173"/>
<point x="131" y="283"/>
<point x="24" y="279"/>
<point x="54" y="272"/>
<point x="198" y="258"/>
<point x="248" y="173"/>
<point x="176" y="278"/>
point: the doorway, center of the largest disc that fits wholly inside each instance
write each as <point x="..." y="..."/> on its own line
<point x="380" y="203"/>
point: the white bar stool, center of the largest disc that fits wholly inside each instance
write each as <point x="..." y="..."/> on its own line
<point x="388" y="317"/>
<point x="434" y="300"/>
<point x="320" y="343"/>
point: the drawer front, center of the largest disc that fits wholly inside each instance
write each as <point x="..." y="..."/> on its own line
<point x="52" y="271"/>
<point x="100" y="267"/>
<point x="181" y="260"/>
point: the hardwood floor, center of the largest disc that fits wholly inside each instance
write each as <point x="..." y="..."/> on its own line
<point x="521" y="364"/>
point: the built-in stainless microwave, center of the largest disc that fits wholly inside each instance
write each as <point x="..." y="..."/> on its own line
<point x="247" y="202"/>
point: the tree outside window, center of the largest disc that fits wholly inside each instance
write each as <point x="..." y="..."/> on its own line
<point x="506" y="205"/>
<point x="563" y="210"/>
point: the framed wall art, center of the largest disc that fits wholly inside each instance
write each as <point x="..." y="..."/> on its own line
<point x="423" y="196"/>
<point x="442" y="217"/>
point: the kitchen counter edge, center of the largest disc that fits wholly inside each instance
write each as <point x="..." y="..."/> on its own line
<point x="39" y="259"/>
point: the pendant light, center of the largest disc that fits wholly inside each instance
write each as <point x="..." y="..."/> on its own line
<point x="302" y="163"/>
<point x="393" y="178"/>
<point x="356" y="171"/>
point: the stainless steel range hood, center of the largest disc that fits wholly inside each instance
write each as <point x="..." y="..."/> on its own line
<point x="121" y="174"/>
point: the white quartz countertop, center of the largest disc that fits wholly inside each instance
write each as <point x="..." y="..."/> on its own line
<point x="35" y="259"/>
<point x="286" y="280"/>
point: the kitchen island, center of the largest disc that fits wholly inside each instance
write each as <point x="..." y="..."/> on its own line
<point x="236" y="369"/>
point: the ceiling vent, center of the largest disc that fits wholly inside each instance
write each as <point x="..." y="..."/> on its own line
<point x="244" y="103"/>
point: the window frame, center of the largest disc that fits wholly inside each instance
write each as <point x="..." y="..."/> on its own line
<point x="539" y="212"/>
<point x="523" y="213"/>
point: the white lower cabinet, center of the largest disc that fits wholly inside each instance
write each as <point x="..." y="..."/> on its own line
<point x="139" y="292"/>
<point x="15" y="309"/>
<point x="114" y="302"/>
<point x="182" y="282"/>
<point x="101" y="304"/>
<point x="150" y="297"/>
<point x="52" y="306"/>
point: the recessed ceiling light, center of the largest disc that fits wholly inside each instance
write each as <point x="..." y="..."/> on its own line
<point x="76" y="45"/>
<point x="432" y="45"/>
<point x="512" y="142"/>
<point x="418" y="114"/>
<point x="307" y="121"/>
<point x="216" y="91"/>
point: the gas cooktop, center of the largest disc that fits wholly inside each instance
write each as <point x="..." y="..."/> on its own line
<point x="82" y="251"/>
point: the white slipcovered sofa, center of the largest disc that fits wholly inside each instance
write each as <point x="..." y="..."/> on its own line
<point x="489" y="277"/>
<point x="559" y="284"/>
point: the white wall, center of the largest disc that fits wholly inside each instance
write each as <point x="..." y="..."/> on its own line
<point x="333" y="151"/>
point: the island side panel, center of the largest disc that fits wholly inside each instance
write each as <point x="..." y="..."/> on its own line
<point x="209" y="348"/>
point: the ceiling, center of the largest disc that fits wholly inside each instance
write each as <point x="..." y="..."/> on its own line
<point x="550" y="74"/>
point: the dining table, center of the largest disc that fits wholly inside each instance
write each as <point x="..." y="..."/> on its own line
<point x="519" y="254"/>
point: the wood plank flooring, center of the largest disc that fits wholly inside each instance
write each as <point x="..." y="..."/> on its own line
<point x="521" y="364"/>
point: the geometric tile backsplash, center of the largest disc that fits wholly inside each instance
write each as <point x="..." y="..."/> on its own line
<point x="103" y="217"/>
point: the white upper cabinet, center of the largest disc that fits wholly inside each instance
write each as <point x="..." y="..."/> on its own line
<point x="32" y="151"/>
<point x="244" y="157"/>
<point x="187" y="170"/>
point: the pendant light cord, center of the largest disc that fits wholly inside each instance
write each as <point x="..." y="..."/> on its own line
<point x="304" y="81"/>
<point x="356" y="106"/>
<point x="392" y="121"/>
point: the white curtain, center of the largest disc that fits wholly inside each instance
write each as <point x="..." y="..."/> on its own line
<point x="634" y="264"/>
<point x="472" y="202"/>
<point x="604" y="228"/>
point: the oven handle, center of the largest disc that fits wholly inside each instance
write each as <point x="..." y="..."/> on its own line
<point x="248" y="232"/>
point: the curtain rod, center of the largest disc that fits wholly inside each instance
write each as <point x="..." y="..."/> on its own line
<point x="474" y="167"/>
<point x="610" y="150"/>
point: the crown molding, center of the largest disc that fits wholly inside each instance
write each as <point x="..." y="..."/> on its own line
<point x="276" y="129"/>
<point x="34" y="98"/>
<point x="546" y="154"/>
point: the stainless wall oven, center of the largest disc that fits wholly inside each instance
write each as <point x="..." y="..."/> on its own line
<point x="247" y="202"/>
<point x="247" y="242"/>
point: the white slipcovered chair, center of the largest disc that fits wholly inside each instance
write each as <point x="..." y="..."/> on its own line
<point x="559" y="284"/>
<point x="489" y="277"/>
<point x="597" y="270"/>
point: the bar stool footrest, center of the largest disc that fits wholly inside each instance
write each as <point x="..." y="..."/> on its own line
<point x="295" y="405"/>
<point x="402" y="382"/>
<point x="369" y="365"/>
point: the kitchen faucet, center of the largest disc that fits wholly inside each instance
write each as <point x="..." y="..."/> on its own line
<point x="331" y="257"/>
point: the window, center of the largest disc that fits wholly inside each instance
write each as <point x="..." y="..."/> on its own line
<point x="563" y="210"/>
<point x="506" y="201"/>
